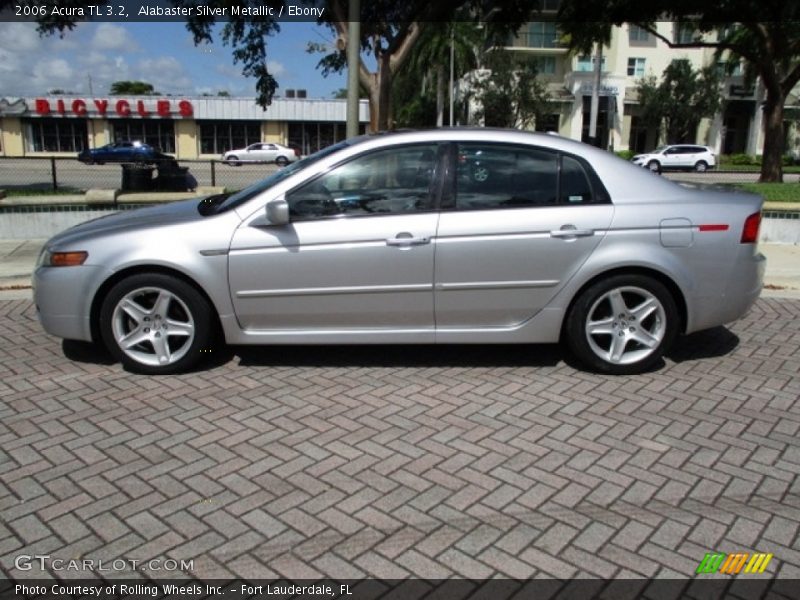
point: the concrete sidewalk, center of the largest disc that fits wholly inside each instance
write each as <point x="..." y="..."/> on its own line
<point x="18" y="257"/>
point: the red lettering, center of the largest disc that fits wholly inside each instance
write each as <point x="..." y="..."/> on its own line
<point x="42" y="106"/>
<point x="101" y="105"/>
<point x="60" y="108"/>
<point x="123" y="108"/>
<point x="162" y="108"/>
<point x="79" y="107"/>
<point x="185" y="108"/>
<point x="140" y="108"/>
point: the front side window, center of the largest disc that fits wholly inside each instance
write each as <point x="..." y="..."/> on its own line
<point x="387" y="181"/>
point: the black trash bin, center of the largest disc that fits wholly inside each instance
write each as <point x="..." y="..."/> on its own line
<point x="172" y="178"/>
<point x="137" y="178"/>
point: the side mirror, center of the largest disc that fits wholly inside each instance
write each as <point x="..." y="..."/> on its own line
<point x="278" y="211"/>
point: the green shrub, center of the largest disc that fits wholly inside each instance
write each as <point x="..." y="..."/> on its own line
<point x="738" y="159"/>
<point x="625" y="154"/>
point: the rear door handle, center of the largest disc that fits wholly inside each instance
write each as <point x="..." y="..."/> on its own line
<point x="569" y="231"/>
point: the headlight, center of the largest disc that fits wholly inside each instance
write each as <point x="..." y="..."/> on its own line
<point x="62" y="259"/>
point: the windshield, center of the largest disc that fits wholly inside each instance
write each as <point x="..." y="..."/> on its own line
<point x="659" y="150"/>
<point x="224" y="202"/>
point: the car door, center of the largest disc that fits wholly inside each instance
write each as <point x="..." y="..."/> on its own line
<point x="672" y="157"/>
<point x="356" y="257"/>
<point x="520" y="223"/>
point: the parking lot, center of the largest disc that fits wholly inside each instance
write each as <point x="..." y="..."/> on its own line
<point x="397" y="462"/>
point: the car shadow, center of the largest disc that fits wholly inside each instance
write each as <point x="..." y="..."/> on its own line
<point x="86" y="352"/>
<point x="711" y="343"/>
<point x="443" y="355"/>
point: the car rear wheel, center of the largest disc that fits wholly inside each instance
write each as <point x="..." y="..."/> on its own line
<point x="701" y="166"/>
<point x="622" y="325"/>
<point x="155" y="324"/>
<point x="654" y="166"/>
<point x="281" y="161"/>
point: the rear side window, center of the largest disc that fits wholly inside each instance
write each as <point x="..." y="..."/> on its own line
<point x="496" y="176"/>
<point x="490" y="176"/>
<point x="575" y="185"/>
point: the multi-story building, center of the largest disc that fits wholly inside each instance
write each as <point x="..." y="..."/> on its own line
<point x="634" y="53"/>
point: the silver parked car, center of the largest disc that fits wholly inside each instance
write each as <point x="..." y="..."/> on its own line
<point x="262" y="152"/>
<point x="446" y="236"/>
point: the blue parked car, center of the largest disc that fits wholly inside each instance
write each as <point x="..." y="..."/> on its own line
<point x="121" y="152"/>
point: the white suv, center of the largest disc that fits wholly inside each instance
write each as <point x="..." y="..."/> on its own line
<point x="677" y="156"/>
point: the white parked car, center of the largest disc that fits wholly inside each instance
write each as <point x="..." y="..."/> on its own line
<point x="262" y="152"/>
<point x="678" y="157"/>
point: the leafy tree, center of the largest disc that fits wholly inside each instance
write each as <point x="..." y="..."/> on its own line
<point x="510" y="95"/>
<point x="132" y="88"/>
<point x="389" y="32"/>
<point x="680" y="100"/>
<point x="769" y="42"/>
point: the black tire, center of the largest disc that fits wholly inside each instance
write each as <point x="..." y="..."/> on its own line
<point x="186" y="310"/>
<point x="281" y="161"/>
<point x="654" y="166"/>
<point x="594" y="305"/>
<point x="233" y="161"/>
<point x="701" y="166"/>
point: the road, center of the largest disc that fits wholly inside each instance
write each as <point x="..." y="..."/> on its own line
<point x="70" y="174"/>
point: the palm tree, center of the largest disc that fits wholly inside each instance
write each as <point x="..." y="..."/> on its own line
<point x="432" y="56"/>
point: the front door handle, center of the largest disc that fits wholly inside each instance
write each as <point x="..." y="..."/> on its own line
<point x="405" y="239"/>
<point x="570" y="231"/>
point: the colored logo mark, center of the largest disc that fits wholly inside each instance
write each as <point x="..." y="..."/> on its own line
<point x="733" y="564"/>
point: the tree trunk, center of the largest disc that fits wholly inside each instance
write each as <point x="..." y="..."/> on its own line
<point x="380" y="96"/>
<point x="772" y="160"/>
<point x="440" y="95"/>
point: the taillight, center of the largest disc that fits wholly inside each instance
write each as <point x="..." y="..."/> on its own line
<point x="750" y="230"/>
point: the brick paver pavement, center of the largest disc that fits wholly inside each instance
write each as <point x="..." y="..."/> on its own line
<point x="406" y="461"/>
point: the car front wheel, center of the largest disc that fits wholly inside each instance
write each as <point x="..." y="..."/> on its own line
<point x="281" y="161"/>
<point x="233" y="161"/>
<point x="155" y="324"/>
<point x="622" y="325"/>
<point x="654" y="166"/>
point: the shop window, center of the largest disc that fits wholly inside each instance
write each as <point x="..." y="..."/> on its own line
<point x="159" y="134"/>
<point x="217" y="137"/>
<point x="58" y="135"/>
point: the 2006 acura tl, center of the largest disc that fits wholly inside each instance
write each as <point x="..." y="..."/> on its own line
<point x="446" y="236"/>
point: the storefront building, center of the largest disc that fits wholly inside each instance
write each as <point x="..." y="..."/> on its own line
<point x="188" y="127"/>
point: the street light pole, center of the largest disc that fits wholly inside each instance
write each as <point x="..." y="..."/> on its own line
<point x="353" y="49"/>
<point x="595" y="106"/>
<point x="452" y="70"/>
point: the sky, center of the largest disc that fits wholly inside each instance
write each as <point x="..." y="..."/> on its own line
<point x="160" y="53"/>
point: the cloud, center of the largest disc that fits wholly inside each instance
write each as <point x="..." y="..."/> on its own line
<point x="276" y="68"/>
<point x="113" y="37"/>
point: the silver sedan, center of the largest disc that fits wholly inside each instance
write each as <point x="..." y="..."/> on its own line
<point x="447" y="236"/>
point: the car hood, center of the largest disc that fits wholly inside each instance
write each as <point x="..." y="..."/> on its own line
<point x="130" y="220"/>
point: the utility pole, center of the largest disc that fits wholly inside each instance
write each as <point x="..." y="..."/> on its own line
<point x="353" y="52"/>
<point x="595" y="106"/>
<point x="452" y="70"/>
